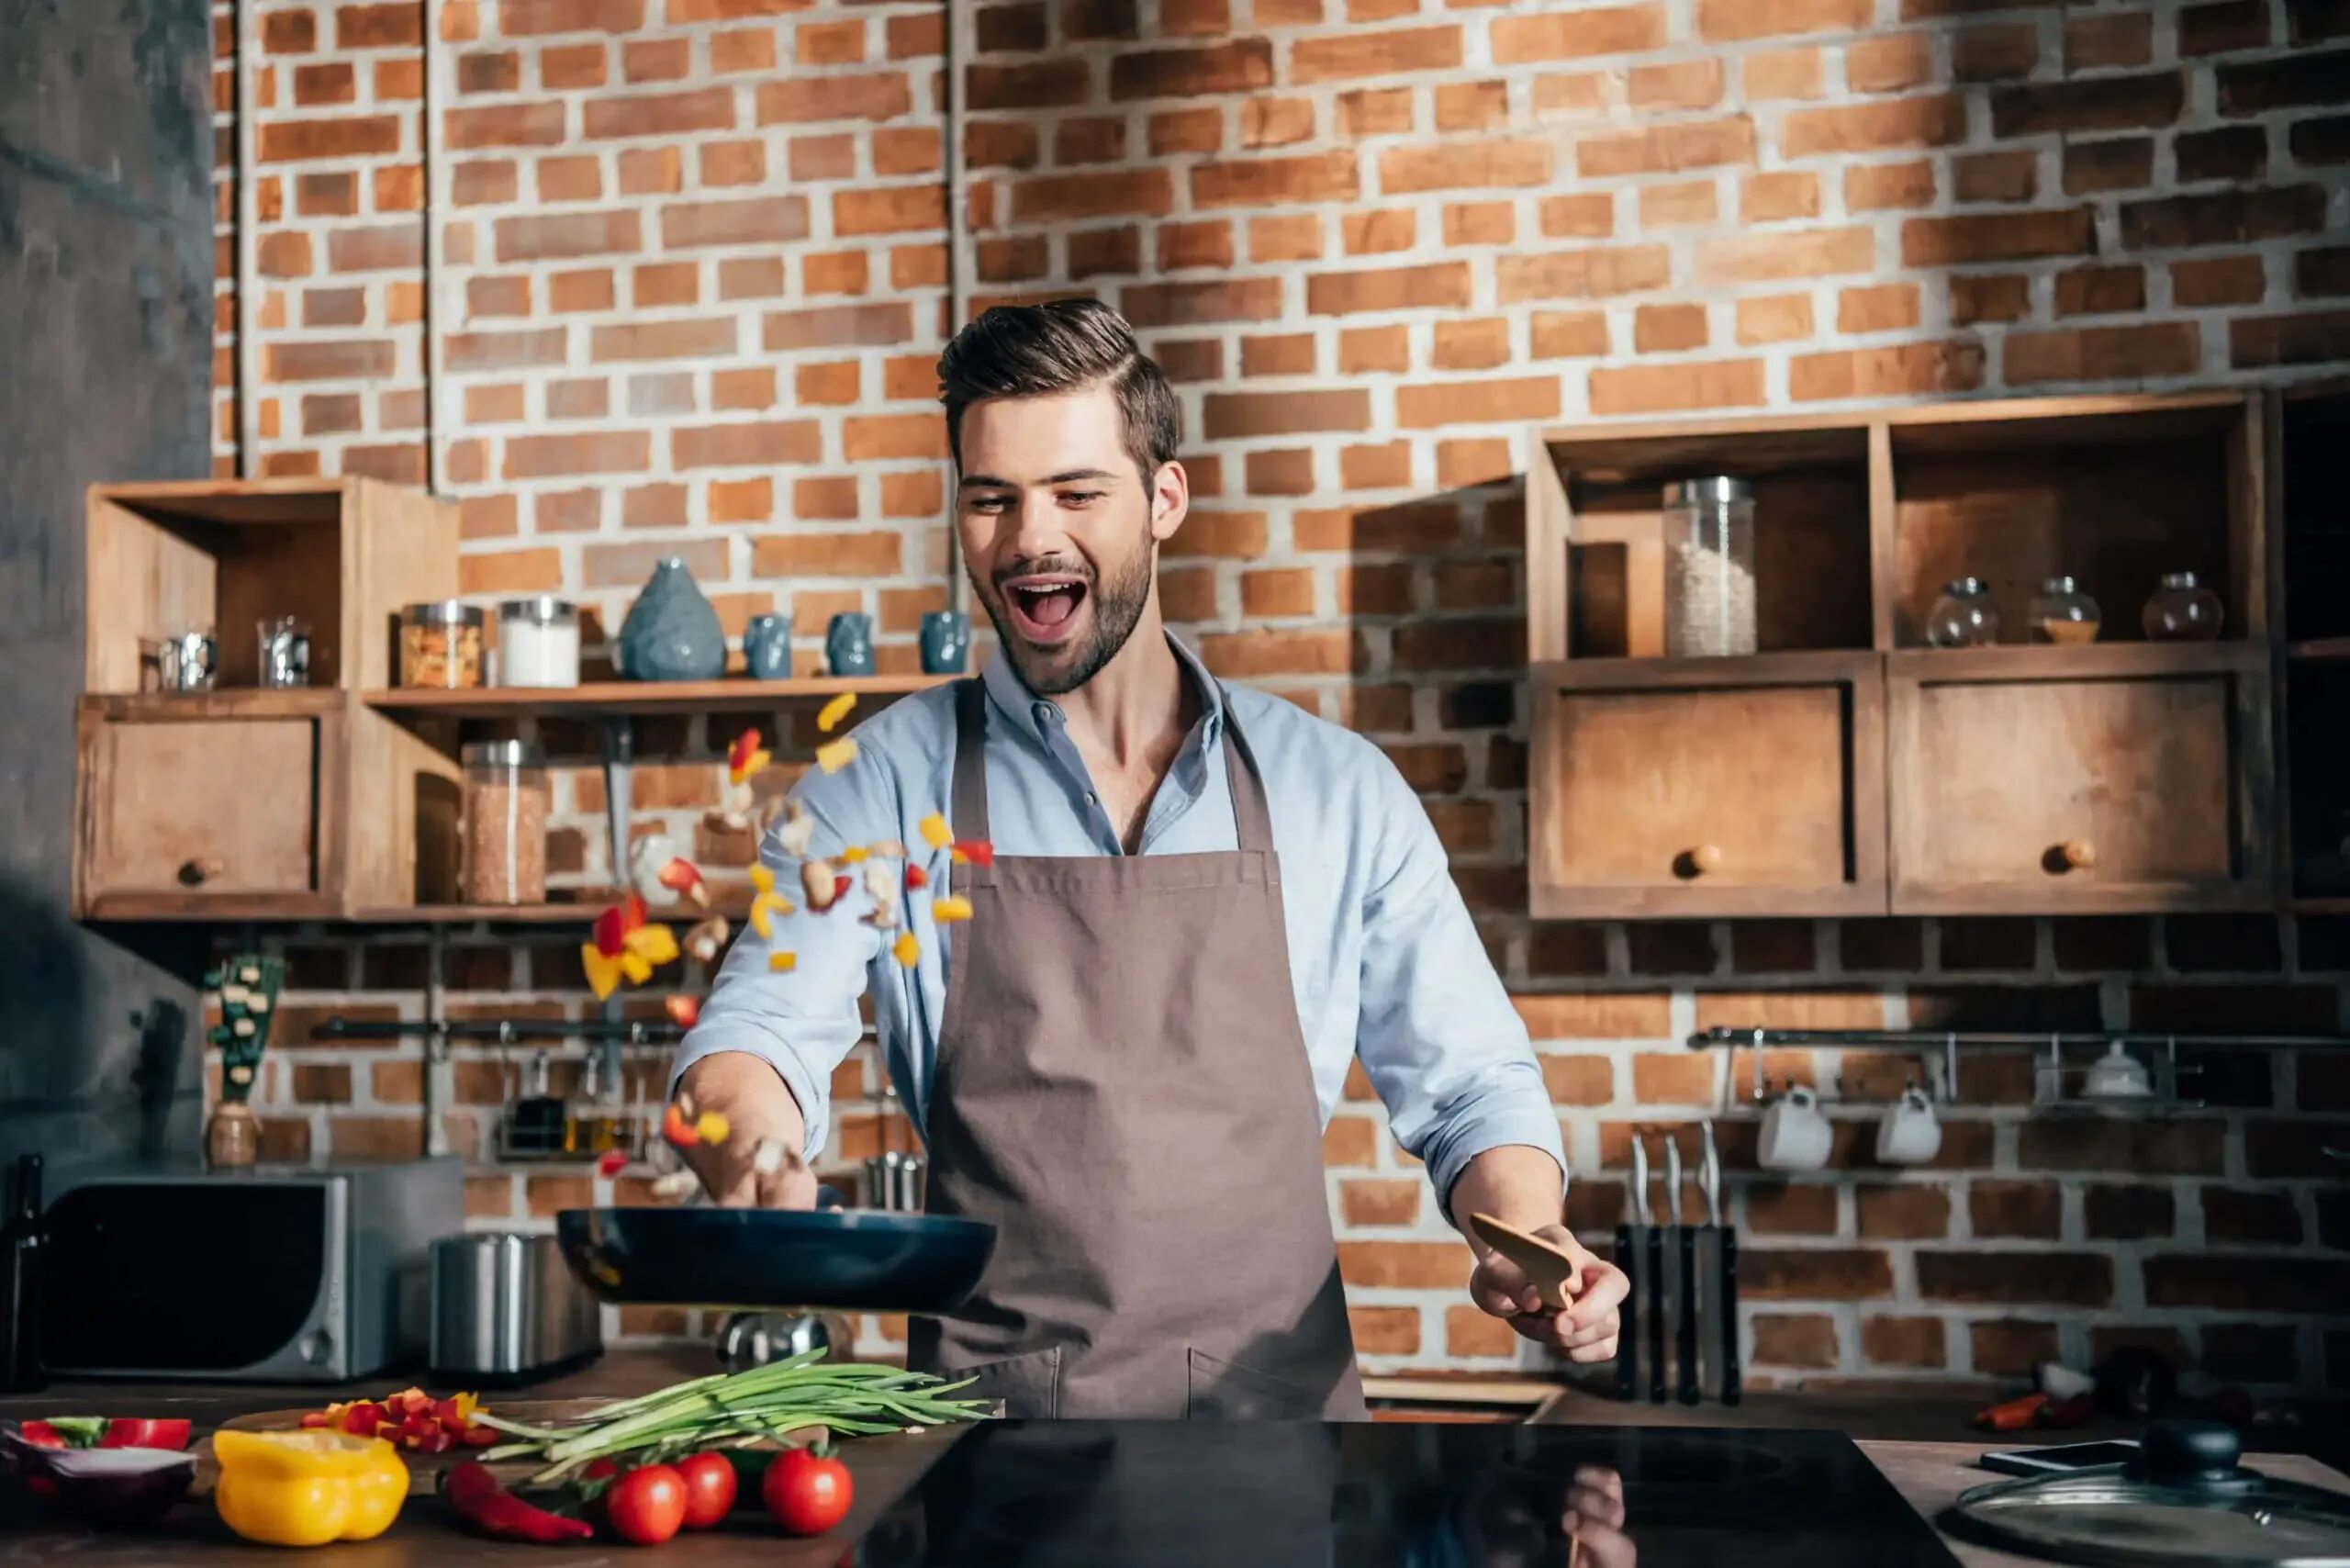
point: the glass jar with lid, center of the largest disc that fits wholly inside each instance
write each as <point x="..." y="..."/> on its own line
<point x="1964" y="617"/>
<point x="2063" y="612"/>
<point x="441" y="645"/>
<point x="538" y="641"/>
<point x="2182" y="610"/>
<point x="505" y="824"/>
<point x="1710" y="568"/>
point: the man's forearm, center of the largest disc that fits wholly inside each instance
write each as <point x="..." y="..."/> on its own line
<point x="1515" y="1182"/>
<point x="751" y="1094"/>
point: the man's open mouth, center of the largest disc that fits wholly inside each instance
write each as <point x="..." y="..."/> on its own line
<point x="1044" y="607"/>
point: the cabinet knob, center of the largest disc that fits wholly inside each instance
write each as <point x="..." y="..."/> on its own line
<point x="195" y="873"/>
<point x="2073" y="854"/>
<point x="1698" y="860"/>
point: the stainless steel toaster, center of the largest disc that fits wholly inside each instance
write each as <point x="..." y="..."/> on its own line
<point x="506" y="1308"/>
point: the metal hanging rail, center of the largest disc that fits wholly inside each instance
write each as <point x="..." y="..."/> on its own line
<point x="1723" y="1035"/>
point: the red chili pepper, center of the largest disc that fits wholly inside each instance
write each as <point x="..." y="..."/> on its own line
<point x="474" y="1494"/>
<point x="2012" y="1416"/>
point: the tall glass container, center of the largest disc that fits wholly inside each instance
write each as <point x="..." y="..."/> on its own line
<point x="506" y="823"/>
<point x="1710" y="573"/>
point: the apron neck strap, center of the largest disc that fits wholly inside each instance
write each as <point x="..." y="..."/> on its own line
<point x="1251" y="817"/>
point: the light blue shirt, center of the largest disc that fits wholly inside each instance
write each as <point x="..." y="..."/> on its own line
<point x="1385" y="963"/>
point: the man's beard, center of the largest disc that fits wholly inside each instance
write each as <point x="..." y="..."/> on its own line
<point x="1117" y="609"/>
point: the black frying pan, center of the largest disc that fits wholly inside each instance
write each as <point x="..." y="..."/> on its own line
<point x="858" y="1261"/>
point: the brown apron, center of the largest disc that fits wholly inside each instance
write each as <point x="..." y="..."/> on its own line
<point x="1122" y="1090"/>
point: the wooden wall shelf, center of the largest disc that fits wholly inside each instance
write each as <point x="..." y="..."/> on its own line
<point x="1907" y="761"/>
<point x="631" y="699"/>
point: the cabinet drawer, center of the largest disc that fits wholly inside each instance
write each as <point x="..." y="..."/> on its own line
<point x="208" y="804"/>
<point x="1684" y="788"/>
<point x="2108" y="779"/>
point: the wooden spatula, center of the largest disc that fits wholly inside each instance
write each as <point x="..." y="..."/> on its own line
<point x="1552" y="1271"/>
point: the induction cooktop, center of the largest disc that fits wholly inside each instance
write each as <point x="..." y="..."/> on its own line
<point x="1202" y="1495"/>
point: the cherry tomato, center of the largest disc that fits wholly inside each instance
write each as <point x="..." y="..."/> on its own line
<point x="807" y="1493"/>
<point x="647" y="1506"/>
<point x="710" y="1488"/>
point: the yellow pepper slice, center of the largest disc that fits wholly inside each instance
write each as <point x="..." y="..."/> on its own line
<point x="603" y="973"/>
<point x="935" y="831"/>
<point x="782" y="963"/>
<point x="853" y="854"/>
<point x="762" y="878"/>
<point x="905" y="949"/>
<point x="308" y="1488"/>
<point x="762" y="921"/>
<point x="949" y="907"/>
<point x="835" y="710"/>
<point x="653" y="944"/>
<point x="834" y="756"/>
<point x="712" y="1127"/>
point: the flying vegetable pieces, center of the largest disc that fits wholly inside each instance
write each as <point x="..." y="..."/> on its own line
<point x="819" y="882"/>
<point x="935" y="831"/>
<point x="853" y="854"/>
<point x="745" y="759"/>
<point x="948" y="908"/>
<point x="906" y="950"/>
<point x="834" y="756"/>
<point x="675" y="1187"/>
<point x="685" y="1011"/>
<point x="973" y="851"/>
<point x="916" y="878"/>
<point x="798" y="829"/>
<point x="614" y="1161"/>
<point x="766" y="1156"/>
<point x="882" y="886"/>
<point x="678" y="1127"/>
<point x="682" y="876"/>
<point x="834" y="711"/>
<point x="712" y="1127"/>
<point x="782" y="963"/>
<point x="704" y="940"/>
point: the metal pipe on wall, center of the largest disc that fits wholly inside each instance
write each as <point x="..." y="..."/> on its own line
<point x="437" y="91"/>
<point x="247" y="390"/>
<point x="958" y="50"/>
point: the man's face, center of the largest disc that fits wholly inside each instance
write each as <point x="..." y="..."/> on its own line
<point x="1059" y="531"/>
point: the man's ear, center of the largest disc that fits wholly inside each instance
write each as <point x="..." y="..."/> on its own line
<point x="1170" y="500"/>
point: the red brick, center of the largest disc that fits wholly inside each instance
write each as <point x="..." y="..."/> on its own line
<point x="2074" y="1279"/>
<point x="1576" y="35"/>
<point x="2223" y="217"/>
<point x="541" y="238"/>
<point x="1731" y="20"/>
<point x="2090" y="104"/>
<point x="1791" y="1208"/>
<point x="1795" y="1339"/>
<point x="1463" y="166"/>
<point x="1087" y="139"/>
<point x="1266" y="182"/>
<point x="1773" y="198"/>
<point x="1241" y="416"/>
<point x="1667" y="148"/>
<point x="1582" y="274"/>
<point x="294" y="140"/>
<point x="1472" y="105"/>
<point x="2185" y="1146"/>
<point x="1469" y="1333"/>
<point x="1673" y="388"/>
<point x="1993" y="298"/>
<point x="2115" y="163"/>
<point x="1253" y="655"/>
<point x="1380" y="1203"/>
<point x="1385" y="1330"/>
<point x="289" y="32"/>
<point x="331" y="82"/>
<point x="1221" y="534"/>
<point x="1681" y="204"/>
<point x="2100" y="291"/>
<point x="1241" y="65"/>
<point x="1813" y="1274"/>
<point x="763" y="443"/>
<point x="1782" y="73"/>
<point x="1880" y="307"/>
<point x="1441" y="285"/>
<point x="2305" y="79"/>
<point x="586" y="290"/>
<point x="1997" y="236"/>
<point x="839" y="326"/>
<point x="1774" y="319"/>
<point x="2008" y="1348"/>
<point x="1429" y="404"/>
<point x="1668" y="329"/>
<point x="1347" y="55"/>
<point x="660" y="114"/>
<point x="1934" y="121"/>
<point x="809" y="100"/>
<point x="348" y="360"/>
<point x="1032" y="85"/>
<point x="1995" y="52"/>
<point x="1887" y="372"/>
<point x="1889" y="64"/>
<point x="2100" y="41"/>
<point x="2008" y="177"/>
<point x="2104" y="354"/>
<point x="1289" y="354"/>
<point x="1878" y="186"/>
<point x="828" y="555"/>
<point x="1093" y="194"/>
<point x="1903" y="1342"/>
<point x="2244" y="1282"/>
<point x="530" y="19"/>
<point x="1808" y="253"/>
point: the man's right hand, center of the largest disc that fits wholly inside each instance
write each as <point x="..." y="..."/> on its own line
<point x="758" y="1107"/>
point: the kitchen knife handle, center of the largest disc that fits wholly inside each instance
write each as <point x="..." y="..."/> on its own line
<point x="1685" y="1346"/>
<point x="1627" y="1324"/>
<point x="1656" y="1314"/>
<point x="1730" y="1316"/>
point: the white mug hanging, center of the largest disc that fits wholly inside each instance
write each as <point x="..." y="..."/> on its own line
<point x="1795" y="1133"/>
<point x="1910" y="1134"/>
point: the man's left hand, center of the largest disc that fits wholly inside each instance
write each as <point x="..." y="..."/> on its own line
<point x="1586" y="1330"/>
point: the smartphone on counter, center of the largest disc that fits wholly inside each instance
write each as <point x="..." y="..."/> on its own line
<point x="2061" y="1459"/>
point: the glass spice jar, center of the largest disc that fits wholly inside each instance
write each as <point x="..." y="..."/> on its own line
<point x="2182" y="610"/>
<point x="1709" y="573"/>
<point x="505" y="824"/>
<point x="538" y="641"/>
<point x="1964" y="617"/>
<point x="441" y="645"/>
<point x="2065" y="612"/>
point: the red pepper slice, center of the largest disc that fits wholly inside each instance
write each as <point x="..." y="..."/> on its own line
<point x="741" y="752"/>
<point x="676" y="1129"/>
<point x="685" y="1011"/>
<point x="477" y="1436"/>
<point x="474" y="1494"/>
<point x="916" y="878"/>
<point x="133" y="1432"/>
<point x="611" y="928"/>
<point x="614" y="1161"/>
<point x="40" y="1433"/>
<point x="977" y="851"/>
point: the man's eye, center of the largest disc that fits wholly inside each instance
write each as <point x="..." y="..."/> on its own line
<point x="990" y="504"/>
<point x="1080" y="498"/>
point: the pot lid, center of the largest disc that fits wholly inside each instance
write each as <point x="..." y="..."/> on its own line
<point x="2184" y="1500"/>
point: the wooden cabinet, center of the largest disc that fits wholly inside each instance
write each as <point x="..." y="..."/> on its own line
<point x="2108" y="778"/>
<point x="1848" y="767"/>
<point x="241" y="802"/>
<point x="1712" y="786"/>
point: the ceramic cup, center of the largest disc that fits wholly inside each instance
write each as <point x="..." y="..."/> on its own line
<point x="1910" y="1134"/>
<point x="2118" y="1075"/>
<point x="766" y="647"/>
<point x="1795" y="1133"/>
<point x="849" y="643"/>
<point x="946" y="642"/>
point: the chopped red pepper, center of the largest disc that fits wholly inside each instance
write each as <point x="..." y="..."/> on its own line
<point x="612" y="926"/>
<point x="131" y="1432"/>
<point x="678" y="1129"/>
<point x="685" y="1011"/>
<point x="840" y="888"/>
<point x="682" y="876"/>
<point x="916" y="878"/>
<point x="614" y="1161"/>
<point x="745" y="745"/>
<point x="476" y="1497"/>
<point x="977" y="851"/>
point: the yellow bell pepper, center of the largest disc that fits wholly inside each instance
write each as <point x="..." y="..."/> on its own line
<point x="308" y="1488"/>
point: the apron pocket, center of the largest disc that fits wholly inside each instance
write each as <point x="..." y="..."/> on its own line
<point x="1028" y="1385"/>
<point x="1227" y="1391"/>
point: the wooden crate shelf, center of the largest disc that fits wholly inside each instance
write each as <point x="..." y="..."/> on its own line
<point x="1861" y="519"/>
<point x="636" y="699"/>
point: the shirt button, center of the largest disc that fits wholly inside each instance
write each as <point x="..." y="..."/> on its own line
<point x="1092" y="800"/>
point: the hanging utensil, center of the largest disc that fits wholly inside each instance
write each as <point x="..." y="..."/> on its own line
<point x="1631" y="1246"/>
<point x="1685" y="1271"/>
<point x="1658" y="1313"/>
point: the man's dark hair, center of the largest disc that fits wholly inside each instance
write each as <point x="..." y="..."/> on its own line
<point x="1028" y="351"/>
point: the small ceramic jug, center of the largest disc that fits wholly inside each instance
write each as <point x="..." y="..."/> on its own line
<point x="946" y="642"/>
<point x="848" y="644"/>
<point x="766" y="647"/>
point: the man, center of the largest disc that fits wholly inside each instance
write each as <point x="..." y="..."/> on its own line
<point x="1203" y="904"/>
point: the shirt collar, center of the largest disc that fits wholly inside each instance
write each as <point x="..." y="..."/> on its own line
<point x="1038" y="716"/>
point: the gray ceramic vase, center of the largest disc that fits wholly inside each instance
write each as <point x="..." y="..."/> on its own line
<point x="671" y="633"/>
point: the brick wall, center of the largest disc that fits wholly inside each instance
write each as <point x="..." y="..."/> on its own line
<point x="691" y="280"/>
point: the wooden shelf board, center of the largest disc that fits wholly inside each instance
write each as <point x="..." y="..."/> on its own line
<point x="562" y="912"/>
<point x="2320" y="651"/>
<point x="230" y="702"/>
<point x="2087" y="661"/>
<point x="617" y="698"/>
<point x="2329" y="903"/>
<point x="1796" y="667"/>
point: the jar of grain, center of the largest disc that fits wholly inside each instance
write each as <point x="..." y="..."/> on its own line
<point x="538" y="641"/>
<point x="2065" y="612"/>
<point x="1710" y="568"/>
<point x="506" y="823"/>
<point x="441" y="645"/>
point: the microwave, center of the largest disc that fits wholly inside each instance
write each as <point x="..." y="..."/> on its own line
<point x="269" y="1274"/>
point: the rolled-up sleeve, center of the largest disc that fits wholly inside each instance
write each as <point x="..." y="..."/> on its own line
<point x="1438" y="1037"/>
<point x="802" y="1022"/>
